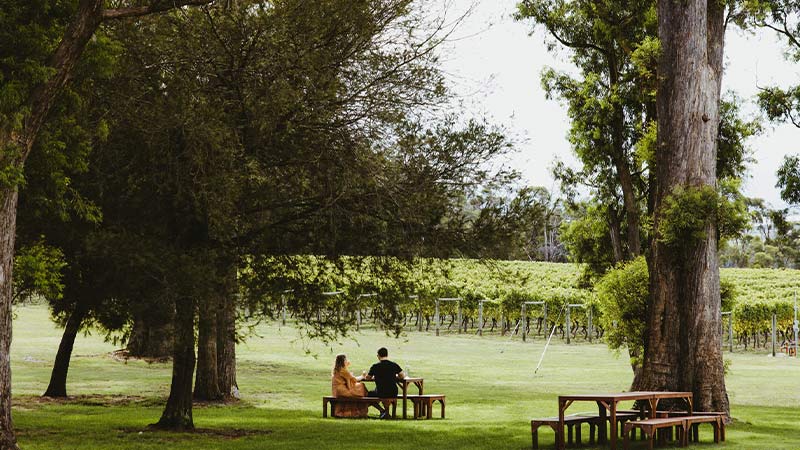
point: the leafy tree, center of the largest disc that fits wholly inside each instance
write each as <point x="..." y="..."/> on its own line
<point x="43" y="42"/>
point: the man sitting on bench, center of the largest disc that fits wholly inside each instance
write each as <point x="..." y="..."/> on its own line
<point x="385" y="373"/>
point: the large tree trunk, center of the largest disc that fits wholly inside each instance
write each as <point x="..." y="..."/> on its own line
<point x="683" y="349"/>
<point x="206" y="386"/>
<point x="58" y="377"/>
<point x="8" y="222"/>
<point x="226" y="344"/>
<point x="177" y="414"/>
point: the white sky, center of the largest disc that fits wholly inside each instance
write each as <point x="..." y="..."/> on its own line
<point x="494" y="66"/>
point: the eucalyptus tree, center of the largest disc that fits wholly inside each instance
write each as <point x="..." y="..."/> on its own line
<point x="610" y="104"/>
<point x="683" y="343"/>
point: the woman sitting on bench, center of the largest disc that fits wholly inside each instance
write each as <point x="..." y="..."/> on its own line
<point x="344" y="384"/>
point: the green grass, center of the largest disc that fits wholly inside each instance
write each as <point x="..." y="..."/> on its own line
<point x="489" y="382"/>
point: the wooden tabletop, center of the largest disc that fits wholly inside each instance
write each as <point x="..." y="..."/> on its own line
<point x="622" y="396"/>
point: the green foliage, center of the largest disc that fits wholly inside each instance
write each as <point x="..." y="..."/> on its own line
<point x="38" y="271"/>
<point x="688" y="212"/>
<point x="586" y="240"/>
<point x="622" y="296"/>
<point x="789" y="179"/>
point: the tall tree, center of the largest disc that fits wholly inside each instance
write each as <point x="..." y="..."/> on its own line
<point x="41" y="63"/>
<point x="682" y="349"/>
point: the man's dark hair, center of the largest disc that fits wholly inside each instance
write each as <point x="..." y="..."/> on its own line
<point x="382" y="352"/>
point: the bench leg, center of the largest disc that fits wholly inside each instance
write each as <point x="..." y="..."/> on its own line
<point x="578" y="434"/>
<point x="535" y="435"/>
<point x="429" y="406"/>
<point x="625" y="438"/>
<point x="441" y="402"/>
<point x="569" y="434"/>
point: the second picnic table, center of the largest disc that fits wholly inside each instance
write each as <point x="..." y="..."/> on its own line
<point x="608" y="403"/>
<point x="403" y="383"/>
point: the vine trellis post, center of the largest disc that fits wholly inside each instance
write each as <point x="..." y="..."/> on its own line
<point x="358" y="307"/>
<point x="524" y="317"/>
<point x="447" y="299"/>
<point x="329" y="294"/>
<point x="419" y="311"/>
<point x="795" y="325"/>
<point x="283" y="305"/>
<point x="730" y="328"/>
<point x="568" y="322"/>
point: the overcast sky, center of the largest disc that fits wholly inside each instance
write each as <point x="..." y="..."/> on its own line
<point x="494" y="66"/>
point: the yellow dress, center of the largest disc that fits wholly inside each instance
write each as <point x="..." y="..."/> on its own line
<point x="344" y="384"/>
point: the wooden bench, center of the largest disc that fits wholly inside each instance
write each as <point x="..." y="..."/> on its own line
<point x="692" y="422"/>
<point x="423" y="404"/>
<point x="650" y="426"/>
<point x="370" y="401"/>
<point x="572" y="422"/>
<point x="693" y="435"/>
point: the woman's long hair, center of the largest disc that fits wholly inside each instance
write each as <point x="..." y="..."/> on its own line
<point x="339" y="364"/>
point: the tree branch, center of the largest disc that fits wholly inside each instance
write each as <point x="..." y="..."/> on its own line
<point x="155" y="7"/>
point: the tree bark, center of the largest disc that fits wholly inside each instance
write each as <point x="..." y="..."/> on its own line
<point x="207" y="386"/>
<point x="58" y="377"/>
<point x="177" y="414"/>
<point x="683" y="347"/>
<point x="8" y="219"/>
<point x="152" y="335"/>
<point x="226" y="345"/>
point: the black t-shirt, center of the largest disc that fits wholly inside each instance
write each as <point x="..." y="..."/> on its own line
<point x="385" y="373"/>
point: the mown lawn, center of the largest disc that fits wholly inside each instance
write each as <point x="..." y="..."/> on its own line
<point x="491" y="391"/>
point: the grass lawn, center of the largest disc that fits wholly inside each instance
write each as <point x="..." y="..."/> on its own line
<point x="491" y="393"/>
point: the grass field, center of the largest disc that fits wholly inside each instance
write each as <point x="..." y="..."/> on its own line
<point x="282" y="380"/>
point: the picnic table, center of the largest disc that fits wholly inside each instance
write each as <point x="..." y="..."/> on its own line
<point x="607" y="407"/>
<point x="403" y="384"/>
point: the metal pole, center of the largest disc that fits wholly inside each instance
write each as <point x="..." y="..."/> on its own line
<point x="480" y="318"/>
<point x="569" y="325"/>
<point x="502" y="323"/>
<point x="358" y="317"/>
<point x="436" y="316"/>
<point x="522" y="316"/>
<point x="590" y="323"/>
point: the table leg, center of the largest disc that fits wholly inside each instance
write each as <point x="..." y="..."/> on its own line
<point x="560" y="432"/>
<point x="601" y="429"/>
<point x="613" y="426"/>
<point x="405" y="397"/>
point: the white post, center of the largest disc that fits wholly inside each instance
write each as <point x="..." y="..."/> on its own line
<point x="590" y="323"/>
<point x="522" y="316"/>
<point x="795" y="326"/>
<point x="480" y="318"/>
<point x="568" y="324"/>
<point x="544" y="318"/>
<point x="774" y="333"/>
<point x="459" y="316"/>
<point x="436" y="317"/>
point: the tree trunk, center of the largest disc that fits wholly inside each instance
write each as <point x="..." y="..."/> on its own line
<point x="206" y="386"/>
<point x="152" y="335"/>
<point x="8" y="223"/>
<point x="226" y="346"/>
<point x="58" y="377"/>
<point x="177" y="414"/>
<point x="683" y="346"/>
<point x="615" y="234"/>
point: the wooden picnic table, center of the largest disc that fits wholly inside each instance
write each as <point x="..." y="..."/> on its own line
<point x="607" y="403"/>
<point x="403" y="384"/>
